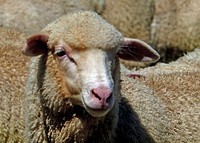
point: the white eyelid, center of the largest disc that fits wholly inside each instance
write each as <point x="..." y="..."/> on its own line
<point x="58" y="50"/>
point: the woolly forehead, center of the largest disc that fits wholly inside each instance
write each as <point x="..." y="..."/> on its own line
<point x="83" y="30"/>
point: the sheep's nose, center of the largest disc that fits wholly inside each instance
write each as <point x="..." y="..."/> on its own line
<point x="102" y="93"/>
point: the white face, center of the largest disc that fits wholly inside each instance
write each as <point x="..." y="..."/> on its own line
<point x="88" y="73"/>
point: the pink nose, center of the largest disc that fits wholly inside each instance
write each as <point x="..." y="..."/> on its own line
<point x="102" y="93"/>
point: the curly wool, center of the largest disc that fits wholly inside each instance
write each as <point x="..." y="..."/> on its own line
<point x="78" y="31"/>
<point x="167" y="100"/>
<point x="13" y="71"/>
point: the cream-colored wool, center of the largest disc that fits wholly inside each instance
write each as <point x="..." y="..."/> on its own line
<point x="13" y="71"/>
<point x="74" y="27"/>
<point x="167" y="100"/>
<point x="176" y="26"/>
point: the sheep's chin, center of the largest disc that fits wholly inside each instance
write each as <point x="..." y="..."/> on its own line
<point x="95" y="112"/>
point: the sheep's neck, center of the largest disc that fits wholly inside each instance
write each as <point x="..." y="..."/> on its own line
<point x="77" y="125"/>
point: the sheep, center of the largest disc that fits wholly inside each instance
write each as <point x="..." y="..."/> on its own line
<point x="175" y="28"/>
<point x="13" y="71"/>
<point x="154" y="98"/>
<point x="73" y="89"/>
<point x="167" y="100"/>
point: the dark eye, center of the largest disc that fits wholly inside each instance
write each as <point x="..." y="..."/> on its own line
<point x="60" y="53"/>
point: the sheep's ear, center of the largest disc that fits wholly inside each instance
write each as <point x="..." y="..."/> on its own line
<point x="36" y="45"/>
<point x="137" y="50"/>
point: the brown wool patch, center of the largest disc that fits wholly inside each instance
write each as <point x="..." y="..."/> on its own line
<point x="58" y="76"/>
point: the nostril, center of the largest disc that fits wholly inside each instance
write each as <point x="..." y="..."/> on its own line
<point x="95" y="94"/>
<point x="109" y="98"/>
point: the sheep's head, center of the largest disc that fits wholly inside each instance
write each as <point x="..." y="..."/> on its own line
<point x="86" y="49"/>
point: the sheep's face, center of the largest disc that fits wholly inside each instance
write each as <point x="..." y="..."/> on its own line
<point x="89" y="73"/>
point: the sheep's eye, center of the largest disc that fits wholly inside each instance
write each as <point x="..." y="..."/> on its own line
<point x="60" y="53"/>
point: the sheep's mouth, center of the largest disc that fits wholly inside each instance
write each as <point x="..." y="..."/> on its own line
<point x="96" y="112"/>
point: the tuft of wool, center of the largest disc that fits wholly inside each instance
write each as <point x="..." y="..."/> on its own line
<point x="78" y="29"/>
